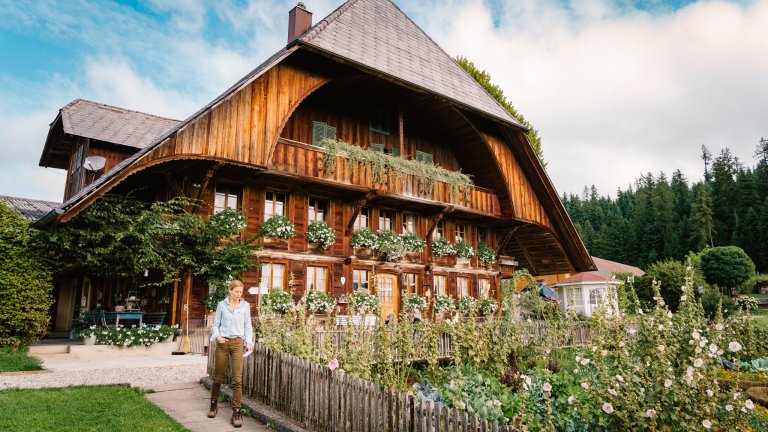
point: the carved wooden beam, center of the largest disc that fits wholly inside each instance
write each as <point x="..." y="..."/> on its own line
<point x="204" y="185"/>
<point x="356" y="211"/>
<point x="436" y="220"/>
<point x="401" y="133"/>
<point x="503" y="243"/>
<point x="176" y="189"/>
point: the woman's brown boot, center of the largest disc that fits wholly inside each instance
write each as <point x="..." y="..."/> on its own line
<point x="237" y="418"/>
<point x="214" y="409"/>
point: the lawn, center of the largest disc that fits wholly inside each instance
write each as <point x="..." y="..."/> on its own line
<point x="760" y="316"/>
<point x="759" y="296"/>
<point x="14" y="361"/>
<point x="82" y="408"/>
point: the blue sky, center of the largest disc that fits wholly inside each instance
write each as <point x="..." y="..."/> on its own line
<point x="615" y="88"/>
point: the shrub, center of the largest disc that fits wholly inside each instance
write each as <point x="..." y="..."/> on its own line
<point x="485" y="254"/>
<point x="213" y="299"/>
<point x="726" y="266"/>
<point x="464" y="249"/>
<point x="277" y="301"/>
<point x="319" y="232"/>
<point x="413" y="242"/>
<point x="364" y="238"/>
<point x="713" y="298"/>
<point x="25" y="284"/>
<point x="442" y="247"/>
<point x="670" y="275"/>
<point x="363" y="302"/>
<point x="318" y="302"/>
<point x="278" y="227"/>
<point x="390" y="245"/>
<point x="443" y="303"/>
<point x="753" y="285"/>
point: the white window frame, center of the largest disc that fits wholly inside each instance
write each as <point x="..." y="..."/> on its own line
<point x="361" y="280"/>
<point x="440" y="284"/>
<point x="362" y="220"/>
<point x="274" y="204"/>
<point x="317" y="277"/>
<point x="272" y="276"/>
<point x="463" y="286"/>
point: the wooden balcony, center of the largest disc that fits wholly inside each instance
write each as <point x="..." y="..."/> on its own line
<point x="304" y="160"/>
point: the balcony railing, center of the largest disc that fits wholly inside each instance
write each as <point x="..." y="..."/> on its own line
<point x="302" y="159"/>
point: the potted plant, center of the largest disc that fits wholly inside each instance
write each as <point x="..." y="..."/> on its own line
<point x="88" y="334"/>
<point x="442" y="251"/>
<point x="414" y="246"/>
<point x="317" y="302"/>
<point x="277" y="301"/>
<point x="464" y="252"/>
<point x="321" y="234"/>
<point x="485" y="254"/>
<point x="413" y="303"/>
<point x="442" y="305"/>
<point x="390" y="245"/>
<point x="364" y="242"/>
<point x="467" y="305"/>
<point x="363" y="302"/>
<point x="487" y="307"/>
<point x="276" y="228"/>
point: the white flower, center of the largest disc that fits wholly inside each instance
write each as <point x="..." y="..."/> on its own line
<point x="632" y="331"/>
<point x="713" y="348"/>
<point x="619" y="378"/>
<point x="669" y="314"/>
<point x="697" y="350"/>
<point x="703" y="343"/>
<point x="683" y="298"/>
<point x="578" y="358"/>
<point x="706" y="423"/>
<point x="612" y="392"/>
<point x="710" y="393"/>
<point x="698" y="362"/>
<point x="570" y="400"/>
<point x="667" y="383"/>
<point x="528" y="380"/>
<point x="719" y="352"/>
<point x="661" y="348"/>
<point x="650" y="413"/>
<point x="749" y="404"/>
<point x="584" y="361"/>
<point x="729" y="407"/>
<point x="460" y="405"/>
<point x="604" y="353"/>
<point x="547" y="387"/>
<point x="621" y="344"/>
<point x="496" y="403"/>
<point x="736" y="395"/>
<point x="719" y="327"/>
<point x="608" y="408"/>
<point x="585" y="386"/>
<point x="734" y="347"/>
<point x="696" y="335"/>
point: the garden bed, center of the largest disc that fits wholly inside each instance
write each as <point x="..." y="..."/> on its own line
<point x="112" y="351"/>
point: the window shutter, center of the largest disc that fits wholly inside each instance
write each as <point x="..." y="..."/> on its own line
<point x="428" y="158"/>
<point x="394" y="151"/>
<point x="330" y="132"/>
<point x="318" y="132"/>
<point x="377" y="147"/>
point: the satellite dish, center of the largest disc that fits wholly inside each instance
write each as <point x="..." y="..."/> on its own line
<point x="94" y="163"/>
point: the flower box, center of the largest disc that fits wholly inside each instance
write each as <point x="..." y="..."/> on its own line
<point x="364" y="253"/>
<point x="445" y="261"/>
<point x="413" y="257"/>
<point x="274" y="243"/>
<point x="462" y="262"/>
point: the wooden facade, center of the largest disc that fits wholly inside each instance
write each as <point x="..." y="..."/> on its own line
<point x="256" y="141"/>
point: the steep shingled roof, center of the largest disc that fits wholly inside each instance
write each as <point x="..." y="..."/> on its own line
<point x="376" y="34"/>
<point x="112" y="124"/>
<point x="29" y="209"/>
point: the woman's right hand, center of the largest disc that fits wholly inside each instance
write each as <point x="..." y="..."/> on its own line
<point x="220" y="340"/>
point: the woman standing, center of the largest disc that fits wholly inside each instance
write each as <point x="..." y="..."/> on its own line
<point x="231" y="330"/>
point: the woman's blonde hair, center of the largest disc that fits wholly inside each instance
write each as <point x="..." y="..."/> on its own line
<point x="234" y="284"/>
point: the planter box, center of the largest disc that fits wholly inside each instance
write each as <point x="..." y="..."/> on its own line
<point x="445" y="261"/>
<point x="413" y="257"/>
<point x="364" y="253"/>
<point x="463" y="262"/>
<point x="113" y="351"/>
<point x="274" y="243"/>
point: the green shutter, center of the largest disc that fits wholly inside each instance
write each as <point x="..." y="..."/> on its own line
<point x="330" y="132"/>
<point x="377" y="147"/>
<point x="428" y="158"/>
<point x="424" y="157"/>
<point x="318" y="132"/>
<point x="394" y="151"/>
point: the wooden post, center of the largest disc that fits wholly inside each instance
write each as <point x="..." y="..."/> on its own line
<point x="173" y="303"/>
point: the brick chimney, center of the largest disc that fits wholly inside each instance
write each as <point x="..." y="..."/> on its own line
<point x="299" y="21"/>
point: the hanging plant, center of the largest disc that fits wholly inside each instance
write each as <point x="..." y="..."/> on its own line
<point x="390" y="245"/>
<point x="413" y="242"/>
<point x="467" y="305"/>
<point x="485" y="254"/>
<point x="488" y="307"/>
<point x="382" y="166"/>
<point x="364" y="238"/>
<point x="363" y="302"/>
<point x="464" y="249"/>
<point x="277" y="301"/>
<point x="318" y="302"/>
<point x="443" y="303"/>
<point x="442" y="247"/>
<point x="413" y="303"/>
<point x="319" y="232"/>
<point x="278" y="227"/>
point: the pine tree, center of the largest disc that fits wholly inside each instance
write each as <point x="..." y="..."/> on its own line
<point x="700" y="221"/>
<point x="723" y="189"/>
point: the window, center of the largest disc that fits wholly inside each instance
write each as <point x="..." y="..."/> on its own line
<point x="385" y="219"/>
<point x="274" y="204"/>
<point x="461" y="232"/>
<point x="392" y="151"/>
<point x="380" y="120"/>
<point x="409" y="223"/>
<point x="272" y="276"/>
<point x="360" y="280"/>
<point x="484" y="288"/>
<point x="411" y="283"/>
<point x="362" y="219"/>
<point x="316" y="279"/>
<point x="596" y="297"/>
<point x="76" y="177"/>
<point x="482" y="236"/>
<point x="439" y="284"/>
<point x="424" y="157"/>
<point x="462" y="286"/>
<point x="317" y="210"/>
<point x="439" y="231"/>
<point x="575" y="300"/>
<point x="321" y="131"/>
<point x="227" y="197"/>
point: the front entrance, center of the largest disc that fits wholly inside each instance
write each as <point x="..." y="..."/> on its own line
<point x="387" y="293"/>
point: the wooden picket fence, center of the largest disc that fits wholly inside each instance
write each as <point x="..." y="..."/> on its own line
<point x="330" y="400"/>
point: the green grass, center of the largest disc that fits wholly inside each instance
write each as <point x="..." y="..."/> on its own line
<point x="82" y="408"/>
<point x="760" y="317"/>
<point x="14" y="361"/>
<point x="759" y="296"/>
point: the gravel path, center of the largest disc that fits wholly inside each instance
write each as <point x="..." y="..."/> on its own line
<point x="138" y="372"/>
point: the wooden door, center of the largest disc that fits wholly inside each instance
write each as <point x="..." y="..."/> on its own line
<point x="387" y="293"/>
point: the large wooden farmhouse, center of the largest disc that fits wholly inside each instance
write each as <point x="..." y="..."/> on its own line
<point x="365" y="75"/>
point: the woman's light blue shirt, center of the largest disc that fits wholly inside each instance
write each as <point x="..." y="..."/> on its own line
<point x="231" y="323"/>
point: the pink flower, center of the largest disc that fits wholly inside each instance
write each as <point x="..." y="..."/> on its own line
<point x="333" y="364"/>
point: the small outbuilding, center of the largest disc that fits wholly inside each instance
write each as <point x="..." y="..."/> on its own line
<point x="586" y="292"/>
